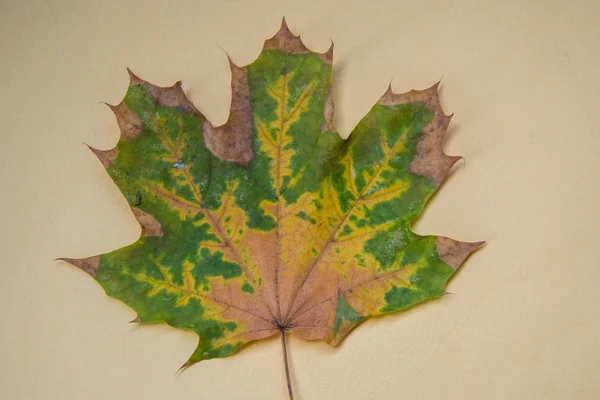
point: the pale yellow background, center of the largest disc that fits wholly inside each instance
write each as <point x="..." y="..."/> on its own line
<point x="522" y="77"/>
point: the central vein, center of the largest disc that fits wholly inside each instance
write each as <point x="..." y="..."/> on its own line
<point x="278" y="192"/>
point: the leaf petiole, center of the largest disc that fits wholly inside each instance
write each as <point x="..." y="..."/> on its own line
<point x="285" y="361"/>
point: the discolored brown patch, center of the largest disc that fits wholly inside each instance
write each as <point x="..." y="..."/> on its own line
<point x="430" y="159"/>
<point x="150" y="226"/>
<point x="453" y="252"/>
<point x="251" y="314"/>
<point x="89" y="264"/>
<point x="129" y="123"/>
<point x="172" y="96"/>
<point x="285" y="40"/>
<point x="328" y="114"/>
<point x="232" y="141"/>
<point x="106" y="157"/>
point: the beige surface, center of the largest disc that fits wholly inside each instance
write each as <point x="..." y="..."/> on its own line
<point x="523" y="79"/>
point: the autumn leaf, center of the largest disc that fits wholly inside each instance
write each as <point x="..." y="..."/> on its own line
<point x="272" y="223"/>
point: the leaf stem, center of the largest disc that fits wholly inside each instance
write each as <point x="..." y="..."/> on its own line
<point x="285" y="361"/>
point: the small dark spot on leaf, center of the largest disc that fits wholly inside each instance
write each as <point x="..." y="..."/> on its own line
<point x="136" y="199"/>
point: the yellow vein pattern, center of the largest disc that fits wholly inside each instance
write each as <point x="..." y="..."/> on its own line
<point x="183" y="173"/>
<point x="367" y="195"/>
<point x="188" y="290"/>
<point x="275" y="142"/>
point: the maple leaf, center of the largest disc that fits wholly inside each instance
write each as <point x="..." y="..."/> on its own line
<point x="272" y="223"/>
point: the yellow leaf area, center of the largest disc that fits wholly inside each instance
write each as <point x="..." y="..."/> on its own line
<point x="221" y="301"/>
<point x="295" y="239"/>
<point x="274" y="138"/>
<point x="317" y="241"/>
<point x="341" y="265"/>
<point x="227" y="224"/>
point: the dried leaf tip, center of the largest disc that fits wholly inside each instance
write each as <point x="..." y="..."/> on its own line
<point x="129" y="122"/>
<point x="285" y="40"/>
<point x="169" y="96"/>
<point x="106" y="157"/>
<point x="285" y="28"/>
<point x="134" y="79"/>
<point x="89" y="264"/>
<point x="429" y="96"/>
<point x="453" y="252"/>
<point x="184" y="367"/>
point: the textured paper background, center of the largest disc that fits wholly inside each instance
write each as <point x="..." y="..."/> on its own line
<point x="522" y="78"/>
